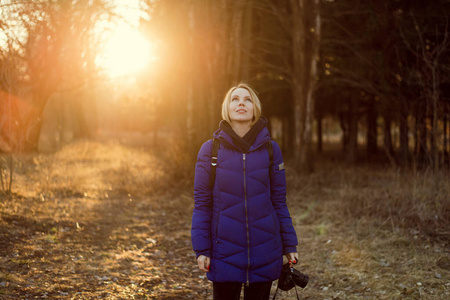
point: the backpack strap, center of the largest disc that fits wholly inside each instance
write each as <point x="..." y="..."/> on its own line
<point x="214" y="151"/>
<point x="269" y="147"/>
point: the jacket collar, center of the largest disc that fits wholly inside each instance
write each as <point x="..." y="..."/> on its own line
<point x="257" y="136"/>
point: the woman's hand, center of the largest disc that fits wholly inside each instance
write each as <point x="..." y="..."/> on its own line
<point x="203" y="263"/>
<point x="292" y="258"/>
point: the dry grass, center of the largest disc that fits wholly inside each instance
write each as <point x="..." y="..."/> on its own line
<point x="96" y="220"/>
<point x="372" y="233"/>
<point x="110" y="221"/>
<point x="406" y="201"/>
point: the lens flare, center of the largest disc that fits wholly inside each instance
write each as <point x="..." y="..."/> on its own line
<point x="125" y="51"/>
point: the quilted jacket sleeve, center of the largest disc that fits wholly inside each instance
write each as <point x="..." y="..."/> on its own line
<point x="202" y="214"/>
<point x="278" y="197"/>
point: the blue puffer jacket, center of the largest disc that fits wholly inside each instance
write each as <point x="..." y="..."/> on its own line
<point x="243" y="224"/>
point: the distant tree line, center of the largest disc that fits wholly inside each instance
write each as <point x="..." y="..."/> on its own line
<point x="375" y="67"/>
<point x="387" y="63"/>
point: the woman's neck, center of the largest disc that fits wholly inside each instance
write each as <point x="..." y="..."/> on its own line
<point x="241" y="128"/>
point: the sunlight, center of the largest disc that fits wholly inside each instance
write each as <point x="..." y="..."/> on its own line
<point x="125" y="51"/>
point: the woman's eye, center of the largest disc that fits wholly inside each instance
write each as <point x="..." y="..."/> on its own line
<point x="248" y="99"/>
<point x="234" y="99"/>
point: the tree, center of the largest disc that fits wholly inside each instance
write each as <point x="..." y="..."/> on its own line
<point x="290" y="51"/>
<point x="50" y="53"/>
<point x="429" y="43"/>
<point x="375" y="47"/>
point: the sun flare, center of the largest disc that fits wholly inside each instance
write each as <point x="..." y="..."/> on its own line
<point x="125" y="51"/>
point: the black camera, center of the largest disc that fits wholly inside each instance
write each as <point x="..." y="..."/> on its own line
<point x="291" y="277"/>
<point x="300" y="279"/>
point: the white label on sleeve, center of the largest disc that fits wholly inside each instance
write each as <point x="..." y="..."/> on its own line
<point x="281" y="166"/>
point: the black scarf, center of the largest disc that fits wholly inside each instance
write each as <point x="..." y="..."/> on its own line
<point x="244" y="143"/>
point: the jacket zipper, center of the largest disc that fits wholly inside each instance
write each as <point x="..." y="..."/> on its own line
<point x="246" y="223"/>
<point x="217" y="227"/>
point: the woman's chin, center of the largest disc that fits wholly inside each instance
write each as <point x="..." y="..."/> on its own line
<point x="241" y="119"/>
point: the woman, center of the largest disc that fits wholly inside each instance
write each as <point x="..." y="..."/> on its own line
<point x="241" y="225"/>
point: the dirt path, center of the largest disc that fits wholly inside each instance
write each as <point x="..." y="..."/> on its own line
<point x="120" y="249"/>
<point x="93" y="221"/>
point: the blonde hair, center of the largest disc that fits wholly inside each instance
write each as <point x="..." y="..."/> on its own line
<point x="254" y="97"/>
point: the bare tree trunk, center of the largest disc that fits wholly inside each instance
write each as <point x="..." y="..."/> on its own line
<point x="388" y="138"/>
<point x="352" y="132"/>
<point x="61" y="120"/>
<point x="421" y="134"/>
<point x="11" y="172"/>
<point x="447" y="136"/>
<point x="343" y="121"/>
<point x="446" y="147"/>
<point x="285" y="134"/>
<point x="297" y="77"/>
<point x="298" y="113"/>
<point x="31" y="129"/>
<point x="81" y="129"/>
<point x="246" y="39"/>
<point x="416" y="133"/>
<point x="433" y="140"/>
<point x="434" y="134"/>
<point x="235" y="39"/>
<point x="306" y="158"/>
<point x="1" y="177"/>
<point x="190" y="119"/>
<point x="372" y="134"/>
<point x="291" y="134"/>
<point x="304" y="76"/>
<point x="319" y="120"/>
<point x="215" y="60"/>
<point x="190" y="94"/>
<point x="404" y="140"/>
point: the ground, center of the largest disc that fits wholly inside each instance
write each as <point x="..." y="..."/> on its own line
<point x="102" y="220"/>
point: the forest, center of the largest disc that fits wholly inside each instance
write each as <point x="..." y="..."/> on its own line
<point x="104" y="105"/>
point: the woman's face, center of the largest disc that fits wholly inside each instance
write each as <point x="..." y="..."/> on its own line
<point x="241" y="106"/>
